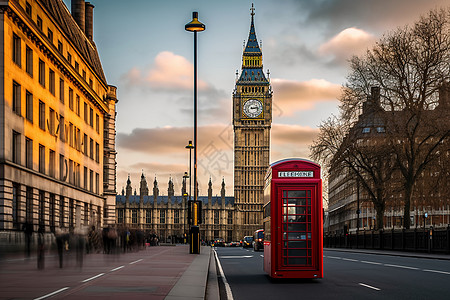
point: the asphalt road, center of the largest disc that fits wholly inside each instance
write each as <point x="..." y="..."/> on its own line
<point x="346" y="276"/>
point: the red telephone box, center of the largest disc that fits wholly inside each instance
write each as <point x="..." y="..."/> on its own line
<point x="293" y="244"/>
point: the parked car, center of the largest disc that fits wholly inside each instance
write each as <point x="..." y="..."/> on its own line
<point x="247" y="242"/>
<point x="258" y="240"/>
<point x="218" y="243"/>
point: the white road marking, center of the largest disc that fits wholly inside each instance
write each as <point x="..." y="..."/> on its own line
<point x="350" y="259"/>
<point x="118" y="268"/>
<point x="369" y="286"/>
<point x="96" y="276"/>
<point x="51" y="294"/>
<point x="403" y="267"/>
<point x="225" y="282"/>
<point x="261" y="255"/>
<point x="136" y="261"/>
<point x="335" y="257"/>
<point x="435" y="271"/>
<point x="244" y="256"/>
<point x="371" y="262"/>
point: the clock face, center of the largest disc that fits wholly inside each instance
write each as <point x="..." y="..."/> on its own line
<point x="253" y="108"/>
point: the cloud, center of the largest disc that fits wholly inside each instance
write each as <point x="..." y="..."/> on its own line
<point x="169" y="72"/>
<point x="350" y="41"/>
<point x="291" y="96"/>
<point x="379" y="15"/>
<point x="291" y="141"/>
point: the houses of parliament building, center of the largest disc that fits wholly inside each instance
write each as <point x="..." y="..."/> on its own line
<point x="230" y="218"/>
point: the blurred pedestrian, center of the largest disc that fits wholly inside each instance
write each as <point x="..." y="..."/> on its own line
<point x="41" y="249"/>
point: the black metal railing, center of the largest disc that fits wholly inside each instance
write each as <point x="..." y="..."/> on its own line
<point x="415" y="240"/>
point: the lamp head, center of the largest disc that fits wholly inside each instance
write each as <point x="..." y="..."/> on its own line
<point x="189" y="146"/>
<point x="195" y="24"/>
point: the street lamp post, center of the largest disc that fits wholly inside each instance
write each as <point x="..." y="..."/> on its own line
<point x="185" y="195"/>
<point x="194" y="26"/>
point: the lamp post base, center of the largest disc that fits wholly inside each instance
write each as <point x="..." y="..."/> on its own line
<point x="194" y="236"/>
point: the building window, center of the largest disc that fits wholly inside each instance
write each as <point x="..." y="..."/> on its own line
<point x="381" y="129"/>
<point x="52" y="122"/>
<point x="216" y="217"/>
<point x="41" y="115"/>
<point x="366" y="130"/>
<point x="85" y="144"/>
<point x="51" y="165"/>
<point x="29" y="205"/>
<point x="50" y="35"/>
<point x="16" y="99"/>
<point x="29" y="61"/>
<point x="71" y="173"/>
<point x="60" y="47"/>
<point x="97" y="152"/>
<point x="134" y="216"/>
<point x="148" y="216"/>
<point x="71" y="210"/>
<point x="29" y="106"/>
<point x="77" y="106"/>
<point x="39" y="22"/>
<point x="62" y="168"/>
<point x="84" y="75"/>
<point x="51" y="81"/>
<point x="162" y="216"/>
<point x="176" y="217"/>
<point x="51" y="212"/>
<point x="230" y="217"/>
<point x="91" y="117"/>
<point x="97" y="183"/>
<point x="86" y="214"/>
<point x="78" y="139"/>
<point x="28" y="8"/>
<point x="61" y="90"/>
<point x="85" y="178"/>
<point x="41" y="72"/>
<point x="41" y="209"/>
<point x="62" y="131"/>
<point x="16" y="48"/>
<point x="69" y="57"/>
<point x="42" y="158"/>
<point x="61" y="211"/>
<point x="70" y="134"/>
<point x="85" y="106"/>
<point x="97" y="123"/>
<point x="120" y="216"/>
<point x="16" y="147"/>
<point x="91" y="149"/>
<point x="91" y="83"/>
<point x="29" y="153"/>
<point x="77" y="67"/>
<point x="15" y="204"/>
<point x="91" y="180"/>
<point x="70" y="99"/>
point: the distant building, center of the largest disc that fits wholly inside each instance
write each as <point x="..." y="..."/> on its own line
<point x="57" y="120"/>
<point x="430" y="205"/>
<point x="166" y="216"/>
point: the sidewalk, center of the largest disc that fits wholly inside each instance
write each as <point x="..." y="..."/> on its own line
<point x="161" y="272"/>
<point x="393" y="253"/>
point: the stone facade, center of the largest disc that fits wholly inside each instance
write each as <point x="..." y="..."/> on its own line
<point x="166" y="216"/>
<point x="57" y="121"/>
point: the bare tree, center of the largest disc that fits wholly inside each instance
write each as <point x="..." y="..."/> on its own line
<point x="410" y="65"/>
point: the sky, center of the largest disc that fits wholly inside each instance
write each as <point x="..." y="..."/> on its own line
<point x="147" y="54"/>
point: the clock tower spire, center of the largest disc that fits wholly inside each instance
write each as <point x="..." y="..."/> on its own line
<point x="252" y="118"/>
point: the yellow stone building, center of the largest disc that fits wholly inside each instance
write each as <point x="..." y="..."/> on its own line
<point x="57" y="120"/>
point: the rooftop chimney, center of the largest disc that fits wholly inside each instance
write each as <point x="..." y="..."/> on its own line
<point x="444" y="95"/>
<point x="78" y="13"/>
<point x="89" y="20"/>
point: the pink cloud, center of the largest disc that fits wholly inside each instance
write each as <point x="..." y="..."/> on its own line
<point x="350" y="41"/>
<point x="291" y="96"/>
<point x="168" y="72"/>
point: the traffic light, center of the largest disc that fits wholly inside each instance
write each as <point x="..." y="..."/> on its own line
<point x="191" y="212"/>
<point x="199" y="212"/>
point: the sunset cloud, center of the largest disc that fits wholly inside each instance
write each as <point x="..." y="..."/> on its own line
<point x="169" y="72"/>
<point x="291" y="96"/>
<point x="351" y="41"/>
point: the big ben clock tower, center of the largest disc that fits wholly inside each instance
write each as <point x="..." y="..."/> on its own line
<point x="252" y="118"/>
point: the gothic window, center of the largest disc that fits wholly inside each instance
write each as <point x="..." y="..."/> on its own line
<point x="120" y="216"/>
<point x="230" y="217"/>
<point x="162" y="216"/>
<point x="148" y="216"/>
<point x="176" y="218"/>
<point x="134" y="216"/>
<point x="216" y="217"/>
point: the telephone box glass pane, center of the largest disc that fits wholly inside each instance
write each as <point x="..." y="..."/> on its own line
<point x="296" y="228"/>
